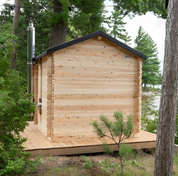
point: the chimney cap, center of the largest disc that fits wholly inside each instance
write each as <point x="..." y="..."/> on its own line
<point x="30" y="23"/>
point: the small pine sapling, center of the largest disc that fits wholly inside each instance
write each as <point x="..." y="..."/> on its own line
<point x="118" y="131"/>
<point x="125" y="153"/>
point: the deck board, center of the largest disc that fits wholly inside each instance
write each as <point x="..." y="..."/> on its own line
<point x="38" y="144"/>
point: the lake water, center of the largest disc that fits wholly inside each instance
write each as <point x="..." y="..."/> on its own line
<point x="156" y="101"/>
<point x="150" y="103"/>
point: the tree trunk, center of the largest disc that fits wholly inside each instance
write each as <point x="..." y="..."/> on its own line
<point x="122" y="166"/>
<point x="144" y="88"/>
<point x="58" y="31"/>
<point x="168" y="106"/>
<point x="14" y="28"/>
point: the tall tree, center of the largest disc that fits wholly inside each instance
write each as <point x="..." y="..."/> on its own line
<point x="150" y="67"/>
<point x="14" y="31"/>
<point x="86" y="16"/>
<point x="15" y="107"/>
<point x="85" y="13"/>
<point x="83" y="16"/>
<point x="140" y="7"/>
<point x="35" y="11"/>
<point x="59" y="23"/>
<point x="5" y="14"/>
<point x="116" y="26"/>
<point x="168" y="105"/>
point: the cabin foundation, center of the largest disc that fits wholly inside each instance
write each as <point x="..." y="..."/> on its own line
<point x="38" y="144"/>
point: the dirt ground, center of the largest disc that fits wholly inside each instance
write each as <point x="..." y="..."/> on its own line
<point x="90" y="165"/>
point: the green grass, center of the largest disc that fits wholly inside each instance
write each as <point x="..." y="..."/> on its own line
<point x="52" y="158"/>
<point x="175" y="172"/>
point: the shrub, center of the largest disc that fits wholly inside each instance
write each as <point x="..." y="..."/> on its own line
<point x="15" y="108"/>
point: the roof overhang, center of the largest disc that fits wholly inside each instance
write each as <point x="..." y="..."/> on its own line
<point x="92" y="35"/>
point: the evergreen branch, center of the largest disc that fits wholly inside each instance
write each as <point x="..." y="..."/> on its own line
<point x="98" y="129"/>
<point x="108" y="124"/>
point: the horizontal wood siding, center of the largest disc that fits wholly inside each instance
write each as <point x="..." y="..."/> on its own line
<point x="35" y="91"/>
<point x="49" y="94"/>
<point x="39" y="115"/>
<point x="45" y="92"/>
<point x="92" y="78"/>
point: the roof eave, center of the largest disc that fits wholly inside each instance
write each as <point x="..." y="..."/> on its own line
<point x="98" y="33"/>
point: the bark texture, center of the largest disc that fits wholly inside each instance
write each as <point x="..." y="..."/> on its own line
<point x="168" y="105"/>
<point x="14" y="28"/>
<point x="58" y="30"/>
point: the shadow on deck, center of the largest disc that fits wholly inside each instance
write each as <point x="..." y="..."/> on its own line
<point x="38" y="144"/>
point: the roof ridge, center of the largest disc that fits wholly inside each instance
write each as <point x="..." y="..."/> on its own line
<point x="94" y="34"/>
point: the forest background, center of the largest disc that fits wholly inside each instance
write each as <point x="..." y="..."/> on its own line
<point x="152" y="25"/>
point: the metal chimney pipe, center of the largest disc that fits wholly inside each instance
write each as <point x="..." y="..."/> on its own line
<point x="30" y="54"/>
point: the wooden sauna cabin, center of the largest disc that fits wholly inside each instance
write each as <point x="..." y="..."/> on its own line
<point x="75" y="82"/>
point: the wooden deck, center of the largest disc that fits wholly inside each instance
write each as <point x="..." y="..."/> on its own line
<point x="38" y="144"/>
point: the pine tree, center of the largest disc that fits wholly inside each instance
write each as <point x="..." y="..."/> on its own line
<point x="140" y="7"/>
<point x="117" y="131"/>
<point x="84" y="16"/>
<point x="15" y="107"/>
<point x="116" y="26"/>
<point x="14" y="31"/>
<point x="150" y="67"/>
<point x="164" y="155"/>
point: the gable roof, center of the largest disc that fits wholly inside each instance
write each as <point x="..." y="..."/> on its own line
<point x="98" y="33"/>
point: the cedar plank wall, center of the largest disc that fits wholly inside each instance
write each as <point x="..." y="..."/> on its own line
<point x="45" y="92"/>
<point x="91" y="78"/>
<point x="49" y="94"/>
<point x="35" y="91"/>
<point x="39" y="116"/>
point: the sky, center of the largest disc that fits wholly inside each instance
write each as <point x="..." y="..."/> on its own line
<point x="151" y="24"/>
